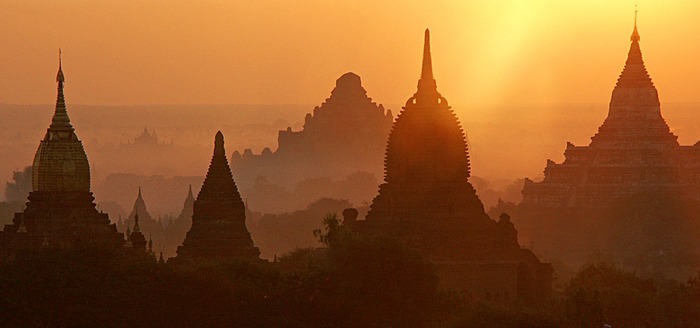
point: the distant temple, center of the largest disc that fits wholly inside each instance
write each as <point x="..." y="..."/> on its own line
<point x="145" y="139"/>
<point x="176" y="230"/>
<point x="60" y="212"/>
<point x="428" y="203"/>
<point x="140" y="209"/>
<point x="344" y="135"/>
<point x="633" y="152"/>
<point x="218" y="221"/>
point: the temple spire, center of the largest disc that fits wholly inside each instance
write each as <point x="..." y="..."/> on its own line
<point x="635" y="34"/>
<point x="427" y="93"/>
<point x="634" y="73"/>
<point x="59" y="76"/>
<point x="219" y="143"/>
<point x="427" y="69"/>
<point x="189" y="193"/>
<point x="60" y="121"/>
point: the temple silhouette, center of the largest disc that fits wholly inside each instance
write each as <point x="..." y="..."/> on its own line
<point x="344" y="135"/>
<point x="60" y="212"/>
<point x="154" y="228"/>
<point x="145" y="139"/>
<point x="632" y="195"/>
<point x="428" y="203"/>
<point x="176" y="229"/>
<point x="135" y="238"/>
<point x="218" y="220"/>
<point x="634" y="151"/>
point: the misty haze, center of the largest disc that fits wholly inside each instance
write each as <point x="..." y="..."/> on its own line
<point x="325" y="164"/>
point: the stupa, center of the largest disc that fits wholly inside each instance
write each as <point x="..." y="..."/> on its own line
<point x="428" y="203"/>
<point x="60" y="212"/>
<point x="218" y="220"/>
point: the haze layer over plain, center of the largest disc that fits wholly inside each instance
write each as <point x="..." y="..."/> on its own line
<point x="516" y="71"/>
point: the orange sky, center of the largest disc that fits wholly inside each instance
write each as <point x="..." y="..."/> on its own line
<point x="216" y="52"/>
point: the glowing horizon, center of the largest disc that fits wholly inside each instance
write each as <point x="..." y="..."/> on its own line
<point x="222" y="53"/>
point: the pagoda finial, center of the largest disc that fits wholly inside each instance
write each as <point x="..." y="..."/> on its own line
<point x="219" y="143"/>
<point x="139" y="196"/>
<point x="635" y="34"/>
<point x="60" y="120"/>
<point x="427" y="87"/>
<point x="189" y="193"/>
<point x="427" y="70"/>
<point x="59" y="76"/>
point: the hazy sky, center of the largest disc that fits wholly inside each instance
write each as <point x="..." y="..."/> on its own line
<point x="280" y="52"/>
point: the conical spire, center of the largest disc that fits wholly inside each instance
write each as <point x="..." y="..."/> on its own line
<point x="219" y="144"/>
<point x="218" y="185"/>
<point x="187" y="207"/>
<point x="60" y="121"/>
<point x="218" y="220"/>
<point x="635" y="34"/>
<point x="427" y="93"/>
<point x="427" y="69"/>
<point x="634" y="74"/>
<point x="634" y="115"/>
<point x="140" y="207"/>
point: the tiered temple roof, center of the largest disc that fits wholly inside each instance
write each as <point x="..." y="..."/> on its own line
<point x="218" y="222"/>
<point x="633" y="152"/>
<point x="343" y="135"/>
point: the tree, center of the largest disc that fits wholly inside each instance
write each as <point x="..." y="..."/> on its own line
<point x="604" y="293"/>
<point x="19" y="188"/>
<point x="374" y="281"/>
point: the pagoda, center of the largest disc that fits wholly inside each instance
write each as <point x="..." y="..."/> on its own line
<point x="218" y="220"/>
<point x="61" y="211"/>
<point x="344" y="135"/>
<point x="631" y="195"/>
<point x="634" y="152"/>
<point x="148" y="224"/>
<point x="428" y="203"/>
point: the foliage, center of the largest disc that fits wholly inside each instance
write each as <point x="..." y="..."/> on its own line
<point x="604" y="293"/>
<point x="362" y="282"/>
<point x="18" y="189"/>
<point x="356" y="281"/>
